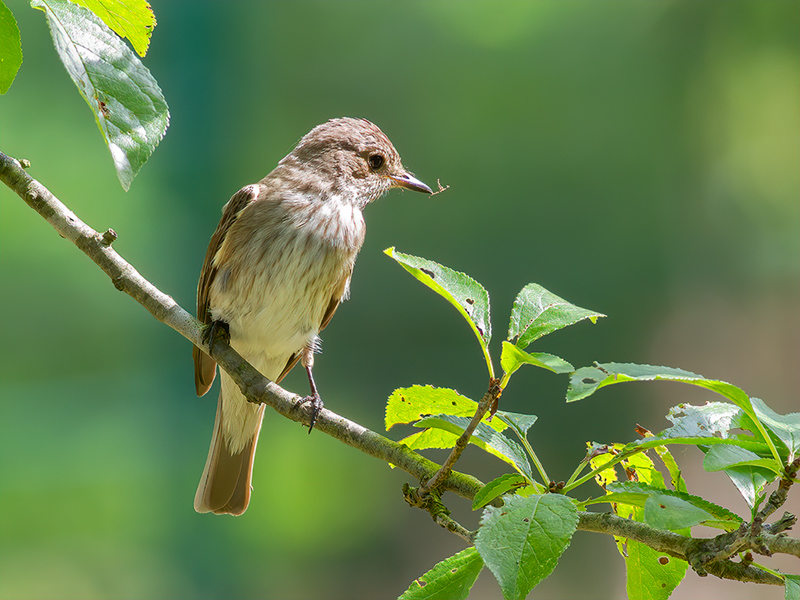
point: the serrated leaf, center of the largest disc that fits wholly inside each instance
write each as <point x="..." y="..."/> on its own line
<point x="128" y="105"/>
<point x="680" y="508"/>
<point x="522" y="541"/>
<point x="496" y="488"/>
<point x="406" y="405"/>
<point x="132" y="19"/>
<point x="450" y="579"/>
<point x="468" y="296"/>
<point x="537" y="312"/>
<point x="485" y="437"/>
<point x="724" y="456"/>
<point x="512" y="358"/>
<point x="791" y="586"/>
<point x="785" y="427"/>
<point x="10" y="48"/>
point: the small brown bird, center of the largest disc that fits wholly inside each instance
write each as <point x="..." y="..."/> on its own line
<point x="276" y="269"/>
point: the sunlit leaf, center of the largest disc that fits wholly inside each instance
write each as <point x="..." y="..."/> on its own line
<point x="132" y="19"/>
<point x="512" y="358"/>
<point x="450" y="579"/>
<point x="537" y="312"/>
<point x="522" y="541"/>
<point x="10" y="48"/>
<point x="127" y="103"/>
<point x="406" y="405"/>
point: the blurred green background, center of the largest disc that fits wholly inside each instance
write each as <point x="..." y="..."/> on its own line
<point x="638" y="158"/>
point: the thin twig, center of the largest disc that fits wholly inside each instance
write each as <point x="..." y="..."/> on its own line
<point x="487" y="402"/>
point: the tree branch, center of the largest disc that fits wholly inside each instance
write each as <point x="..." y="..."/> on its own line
<point x="259" y="389"/>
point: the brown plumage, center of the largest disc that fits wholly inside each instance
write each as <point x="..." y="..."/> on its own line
<point x="276" y="269"/>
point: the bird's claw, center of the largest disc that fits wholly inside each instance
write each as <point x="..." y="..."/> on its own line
<point x="214" y="332"/>
<point x="316" y="407"/>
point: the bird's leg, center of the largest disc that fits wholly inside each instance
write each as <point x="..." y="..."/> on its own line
<point x="214" y="332"/>
<point x="316" y="402"/>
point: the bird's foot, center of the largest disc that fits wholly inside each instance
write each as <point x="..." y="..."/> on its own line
<point x="316" y="407"/>
<point x="216" y="331"/>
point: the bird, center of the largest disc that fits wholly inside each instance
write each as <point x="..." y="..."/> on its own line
<point x="277" y="267"/>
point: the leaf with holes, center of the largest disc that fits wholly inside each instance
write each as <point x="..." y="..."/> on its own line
<point x="450" y="579"/>
<point x="484" y="437"/>
<point x="467" y="295"/>
<point x="512" y="358"/>
<point x="496" y="488"/>
<point x="132" y="19"/>
<point x="522" y="541"/>
<point x="127" y="103"/>
<point x="10" y="48"/>
<point x="537" y="312"/>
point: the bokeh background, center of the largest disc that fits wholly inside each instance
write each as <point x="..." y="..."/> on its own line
<point x="638" y="158"/>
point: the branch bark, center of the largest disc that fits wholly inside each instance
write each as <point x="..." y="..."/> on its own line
<point x="259" y="389"/>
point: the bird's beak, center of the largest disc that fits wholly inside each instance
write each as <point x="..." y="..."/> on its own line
<point x="408" y="181"/>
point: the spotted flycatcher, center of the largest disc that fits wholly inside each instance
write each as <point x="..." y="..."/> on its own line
<point x="276" y="269"/>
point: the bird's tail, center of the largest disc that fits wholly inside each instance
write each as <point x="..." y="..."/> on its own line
<point x="225" y="485"/>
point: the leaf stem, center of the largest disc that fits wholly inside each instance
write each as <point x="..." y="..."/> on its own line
<point x="536" y="462"/>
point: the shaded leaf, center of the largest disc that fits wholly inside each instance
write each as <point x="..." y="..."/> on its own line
<point x="725" y="456"/>
<point x="450" y="579"/>
<point x="512" y="358"/>
<point x="519" y="421"/>
<point x="128" y="105"/>
<point x="522" y="541"/>
<point x="681" y="509"/>
<point x="496" y="488"/>
<point x="467" y="295"/>
<point x="750" y="481"/>
<point x="485" y="437"/>
<point x="132" y="19"/>
<point x="791" y="587"/>
<point x="537" y="312"/>
<point x="10" y="48"/>
<point x="785" y="427"/>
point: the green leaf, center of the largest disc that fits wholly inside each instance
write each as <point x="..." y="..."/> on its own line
<point x="519" y="421"/>
<point x="496" y="488"/>
<point x="719" y="458"/>
<point x="467" y="295"/>
<point x="522" y="541"/>
<point x="750" y="481"/>
<point x="450" y="579"/>
<point x="485" y="437"/>
<point x="585" y="381"/>
<point x="407" y="405"/>
<point x="791" y="584"/>
<point x="680" y="509"/>
<point x="132" y="19"/>
<point x="650" y="575"/>
<point x="786" y="427"/>
<point x="704" y="425"/>
<point x="128" y="105"/>
<point x="10" y="48"/>
<point x="512" y="358"/>
<point x="537" y="312"/>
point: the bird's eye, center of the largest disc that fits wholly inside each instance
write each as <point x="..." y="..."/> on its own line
<point x="375" y="161"/>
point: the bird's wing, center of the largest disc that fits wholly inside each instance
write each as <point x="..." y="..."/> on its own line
<point x="336" y="299"/>
<point x="205" y="368"/>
